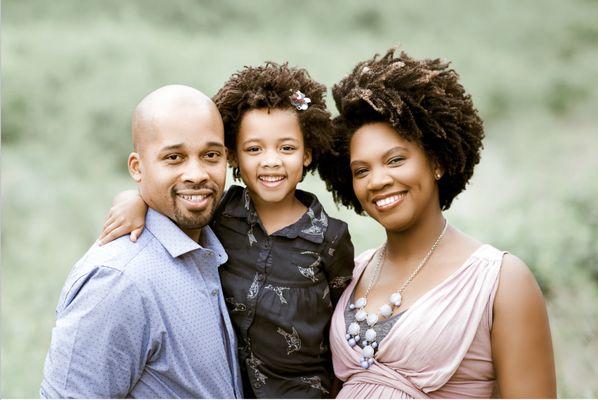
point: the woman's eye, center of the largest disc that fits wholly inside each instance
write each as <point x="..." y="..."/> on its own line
<point x="396" y="160"/>
<point x="359" y="172"/>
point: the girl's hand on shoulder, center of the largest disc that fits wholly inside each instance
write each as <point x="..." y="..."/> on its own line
<point x="521" y="342"/>
<point x="127" y="215"/>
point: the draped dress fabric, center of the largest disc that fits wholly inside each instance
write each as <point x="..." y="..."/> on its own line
<point x="439" y="348"/>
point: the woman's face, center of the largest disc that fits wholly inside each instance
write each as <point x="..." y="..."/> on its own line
<point x="393" y="178"/>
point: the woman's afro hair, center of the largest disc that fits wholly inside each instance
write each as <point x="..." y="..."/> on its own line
<point x="424" y="102"/>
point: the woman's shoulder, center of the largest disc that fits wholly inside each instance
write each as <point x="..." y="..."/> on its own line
<point x="516" y="277"/>
<point x="365" y="257"/>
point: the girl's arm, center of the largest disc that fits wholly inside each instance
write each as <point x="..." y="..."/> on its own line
<point x="127" y="215"/>
<point x="521" y="343"/>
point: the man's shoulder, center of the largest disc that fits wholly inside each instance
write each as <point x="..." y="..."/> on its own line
<point x="121" y="256"/>
<point x="122" y="252"/>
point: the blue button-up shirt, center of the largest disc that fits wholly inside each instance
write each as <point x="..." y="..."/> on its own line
<point x="145" y="319"/>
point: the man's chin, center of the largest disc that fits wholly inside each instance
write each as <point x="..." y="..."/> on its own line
<point x="191" y="221"/>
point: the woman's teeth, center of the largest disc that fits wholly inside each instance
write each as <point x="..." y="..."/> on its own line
<point x="389" y="200"/>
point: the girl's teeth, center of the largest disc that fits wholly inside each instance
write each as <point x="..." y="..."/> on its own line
<point x="271" y="178"/>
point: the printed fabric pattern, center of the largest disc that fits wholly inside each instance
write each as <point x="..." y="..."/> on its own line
<point x="281" y="290"/>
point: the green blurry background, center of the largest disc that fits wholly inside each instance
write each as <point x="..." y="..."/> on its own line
<point x="72" y="71"/>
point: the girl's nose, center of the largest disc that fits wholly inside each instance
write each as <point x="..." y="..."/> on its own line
<point x="272" y="162"/>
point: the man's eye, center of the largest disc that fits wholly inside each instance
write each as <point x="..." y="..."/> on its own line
<point x="173" y="157"/>
<point x="212" y="155"/>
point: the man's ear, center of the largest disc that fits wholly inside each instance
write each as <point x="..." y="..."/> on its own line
<point x="306" y="157"/>
<point x="134" y="163"/>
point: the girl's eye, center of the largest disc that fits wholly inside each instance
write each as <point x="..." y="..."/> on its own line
<point x="288" y="148"/>
<point x="252" y="149"/>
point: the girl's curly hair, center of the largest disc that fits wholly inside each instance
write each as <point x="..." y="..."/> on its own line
<point x="424" y="102"/>
<point x="270" y="86"/>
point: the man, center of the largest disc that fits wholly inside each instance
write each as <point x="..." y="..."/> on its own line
<point x="147" y="318"/>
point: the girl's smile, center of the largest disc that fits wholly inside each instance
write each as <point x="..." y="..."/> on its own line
<point x="271" y="181"/>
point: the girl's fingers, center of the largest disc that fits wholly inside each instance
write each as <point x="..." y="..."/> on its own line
<point x="110" y="228"/>
<point x="113" y="234"/>
<point x="136" y="233"/>
<point x="109" y="220"/>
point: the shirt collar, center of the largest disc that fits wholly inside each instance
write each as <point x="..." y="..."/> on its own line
<point x="177" y="242"/>
<point x="311" y="226"/>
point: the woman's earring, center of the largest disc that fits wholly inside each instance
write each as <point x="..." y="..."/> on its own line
<point x="437" y="176"/>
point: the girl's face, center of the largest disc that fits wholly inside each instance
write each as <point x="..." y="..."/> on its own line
<point x="393" y="178"/>
<point x="271" y="154"/>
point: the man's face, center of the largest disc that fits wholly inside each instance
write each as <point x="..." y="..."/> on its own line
<point x="182" y="166"/>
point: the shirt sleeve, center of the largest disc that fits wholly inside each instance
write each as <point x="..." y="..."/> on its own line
<point x="101" y="340"/>
<point x="339" y="268"/>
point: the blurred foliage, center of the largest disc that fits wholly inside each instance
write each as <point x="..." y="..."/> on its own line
<point x="72" y="72"/>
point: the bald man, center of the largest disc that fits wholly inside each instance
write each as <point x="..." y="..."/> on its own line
<point x="147" y="318"/>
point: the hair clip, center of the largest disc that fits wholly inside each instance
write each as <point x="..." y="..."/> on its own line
<point x="299" y="101"/>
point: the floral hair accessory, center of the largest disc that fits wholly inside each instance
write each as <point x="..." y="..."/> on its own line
<point x="299" y="101"/>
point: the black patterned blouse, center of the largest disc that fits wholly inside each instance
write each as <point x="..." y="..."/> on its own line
<point x="280" y="290"/>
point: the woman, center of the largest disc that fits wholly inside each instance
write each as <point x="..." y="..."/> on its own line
<point x="432" y="312"/>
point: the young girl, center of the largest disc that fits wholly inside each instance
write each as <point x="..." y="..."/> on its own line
<point x="288" y="260"/>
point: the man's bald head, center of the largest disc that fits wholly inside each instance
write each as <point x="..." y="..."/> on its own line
<point x="171" y="101"/>
<point x="179" y="162"/>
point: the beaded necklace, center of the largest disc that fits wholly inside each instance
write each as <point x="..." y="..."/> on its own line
<point x="369" y="343"/>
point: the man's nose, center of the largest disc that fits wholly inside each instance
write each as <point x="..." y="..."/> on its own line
<point x="195" y="172"/>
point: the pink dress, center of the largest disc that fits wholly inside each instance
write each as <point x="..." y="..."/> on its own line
<point x="439" y="348"/>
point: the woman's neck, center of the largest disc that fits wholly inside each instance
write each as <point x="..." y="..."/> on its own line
<point x="414" y="242"/>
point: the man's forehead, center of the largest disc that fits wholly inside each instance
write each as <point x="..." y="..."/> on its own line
<point x="168" y="145"/>
<point x="172" y="106"/>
